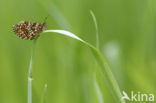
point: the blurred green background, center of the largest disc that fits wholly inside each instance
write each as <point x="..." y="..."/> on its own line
<point x="127" y="31"/>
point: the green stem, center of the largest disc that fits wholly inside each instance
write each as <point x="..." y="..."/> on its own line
<point x="30" y="78"/>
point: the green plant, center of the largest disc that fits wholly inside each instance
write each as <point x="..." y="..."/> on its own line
<point x="104" y="68"/>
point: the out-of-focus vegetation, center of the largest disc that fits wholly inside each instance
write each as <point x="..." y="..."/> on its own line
<point x="127" y="40"/>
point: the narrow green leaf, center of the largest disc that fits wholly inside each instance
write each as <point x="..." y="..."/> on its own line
<point x="104" y="68"/>
<point x="97" y="88"/>
<point x="96" y="28"/>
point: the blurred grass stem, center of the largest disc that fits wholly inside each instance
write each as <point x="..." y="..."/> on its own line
<point x="30" y="77"/>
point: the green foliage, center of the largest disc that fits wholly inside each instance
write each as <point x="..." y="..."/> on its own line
<point x="104" y="68"/>
<point x="126" y="37"/>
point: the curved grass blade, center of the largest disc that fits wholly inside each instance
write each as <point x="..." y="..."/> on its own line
<point x="96" y="28"/>
<point x="104" y="68"/>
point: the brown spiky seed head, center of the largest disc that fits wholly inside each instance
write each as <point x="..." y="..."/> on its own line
<point x="28" y="30"/>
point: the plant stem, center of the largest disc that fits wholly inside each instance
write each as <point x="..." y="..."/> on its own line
<point x="30" y="78"/>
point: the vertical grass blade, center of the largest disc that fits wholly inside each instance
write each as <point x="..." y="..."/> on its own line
<point x="104" y="68"/>
<point x="30" y="78"/>
<point x="97" y="88"/>
<point x="96" y="28"/>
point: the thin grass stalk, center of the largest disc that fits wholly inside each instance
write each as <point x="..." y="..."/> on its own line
<point x="30" y="77"/>
<point x="96" y="28"/>
<point x="96" y="85"/>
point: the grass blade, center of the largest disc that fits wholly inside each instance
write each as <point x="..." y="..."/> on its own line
<point x="30" y="78"/>
<point x="96" y="28"/>
<point x="97" y="88"/>
<point x="104" y="68"/>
